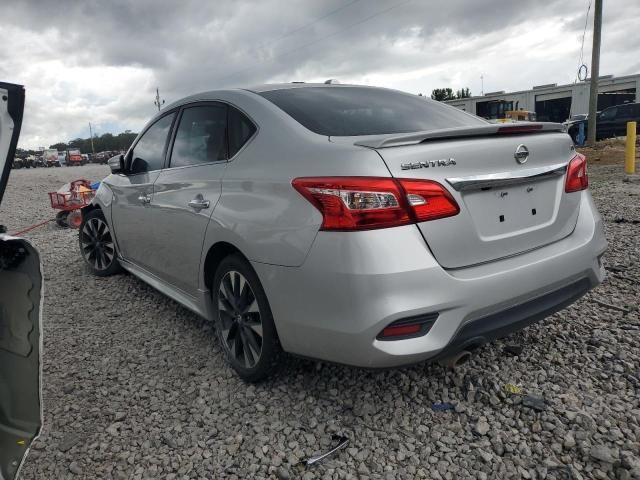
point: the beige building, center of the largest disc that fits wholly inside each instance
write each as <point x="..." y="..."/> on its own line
<point x="552" y="102"/>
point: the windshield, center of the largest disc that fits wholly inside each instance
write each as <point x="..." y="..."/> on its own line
<point x="354" y="111"/>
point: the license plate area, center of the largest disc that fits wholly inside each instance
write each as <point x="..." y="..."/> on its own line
<point x="500" y="212"/>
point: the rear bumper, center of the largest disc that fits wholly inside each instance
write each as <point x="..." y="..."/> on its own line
<point x="352" y="285"/>
<point x="514" y="318"/>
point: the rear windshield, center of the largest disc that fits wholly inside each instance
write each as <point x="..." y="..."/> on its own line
<point x="352" y="111"/>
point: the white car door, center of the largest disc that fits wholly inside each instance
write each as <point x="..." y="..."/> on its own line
<point x="20" y="308"/>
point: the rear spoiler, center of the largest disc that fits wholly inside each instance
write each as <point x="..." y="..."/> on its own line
<point x="399" y="139"/>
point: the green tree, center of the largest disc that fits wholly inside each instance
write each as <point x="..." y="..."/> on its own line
<point x="442" y="94"/>
<point x="104" y="142"/>
<point x="463" y="93"/>
<point x="59" y="146"/>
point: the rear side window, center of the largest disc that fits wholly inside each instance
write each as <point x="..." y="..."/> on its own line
<point x="240" y="130"/>
<point x="352" y="111"/>
<point x="148" y="154"/>
<point x="629" y="110"/>
<point x="201" y="136"/>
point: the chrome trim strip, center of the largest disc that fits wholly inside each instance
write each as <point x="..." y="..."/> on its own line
<point x="477" y="182"/>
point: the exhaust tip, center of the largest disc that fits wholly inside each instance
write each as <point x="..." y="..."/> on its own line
<point x="456" y="359"/>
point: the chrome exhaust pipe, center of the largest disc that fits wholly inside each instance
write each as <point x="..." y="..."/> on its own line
<point x="455" y="360"/>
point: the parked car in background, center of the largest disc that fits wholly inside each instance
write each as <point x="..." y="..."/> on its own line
<point x="101" y="157"/>
<point x="577" y="117"/>
<point x="610" y="122"/>
<point x="18" y="163"/>
<point x="20" y="322"/>
<point x="352" y="224"/>
<point x="51" y="157"/>
<point x="27" y="162"/>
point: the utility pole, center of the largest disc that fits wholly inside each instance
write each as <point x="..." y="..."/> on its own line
<point x="93" y="150"/>
<point x="595" y="73"/>
<point x="482" y="85"/>
<point x="157" y="102"/>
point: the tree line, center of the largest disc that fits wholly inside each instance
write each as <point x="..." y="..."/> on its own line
<point x="104" y="142"/>
<point x="442" y="94"/>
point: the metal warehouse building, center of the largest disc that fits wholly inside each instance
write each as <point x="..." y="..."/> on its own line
<point x="552" y="102"/>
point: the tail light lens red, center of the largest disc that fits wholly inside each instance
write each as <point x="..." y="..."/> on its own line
<point x="429" y="200"/>
<point x="365" y="203"/>
<point x="577" y="178"/>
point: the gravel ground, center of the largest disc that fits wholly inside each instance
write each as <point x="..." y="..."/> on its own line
<point x="135" y="385"/>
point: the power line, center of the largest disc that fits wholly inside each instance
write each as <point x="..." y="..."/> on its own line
<point x="332" y="12"/>
<point x="338" y="32"/>
<point x="580" y="61"/>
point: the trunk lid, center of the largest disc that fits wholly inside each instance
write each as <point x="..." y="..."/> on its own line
<point x="508" y="203"/>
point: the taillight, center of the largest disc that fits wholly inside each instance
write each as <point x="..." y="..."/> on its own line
<point x="365" y="203"/>
<point x="429" y="200"/>
<point x="577" y="178"/>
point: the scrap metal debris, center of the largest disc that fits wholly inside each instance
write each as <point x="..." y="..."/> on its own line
<point x="514" y="349"/>
<point x="612" y="307"/>
<point x="535" y="402"/>
<point x="441" y="407"/>
<point x="342" y="443"/>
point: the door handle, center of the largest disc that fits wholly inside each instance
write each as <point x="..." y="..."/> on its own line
<point x="145" y="199"/>
<point x="199" y="203"/>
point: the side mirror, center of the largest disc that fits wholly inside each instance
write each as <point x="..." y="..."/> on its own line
<point x="116" y="164"/>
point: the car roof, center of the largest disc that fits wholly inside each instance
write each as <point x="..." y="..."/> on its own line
<point x="622" y="105"/>
<point x="287" y="86"/>
<point x="214" y="94"/>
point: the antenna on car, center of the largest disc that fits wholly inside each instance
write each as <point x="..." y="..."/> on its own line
<point x="331" y="81"/>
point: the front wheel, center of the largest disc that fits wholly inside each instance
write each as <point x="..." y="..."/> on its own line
<point x="97" y="245"/>
<point x="244" y="322"/>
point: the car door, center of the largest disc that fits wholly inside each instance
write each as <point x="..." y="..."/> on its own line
<point x="20" y="309"/>
<point x="625" y="115"/>
<point x="605" y="126"/>
<point x="133" y="192"/>
<point x="206" y="137"/>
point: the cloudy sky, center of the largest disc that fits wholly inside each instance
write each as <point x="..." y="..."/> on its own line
<point x="101" y="61"/>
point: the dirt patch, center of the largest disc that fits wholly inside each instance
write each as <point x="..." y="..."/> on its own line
<point x="608" y="152"/>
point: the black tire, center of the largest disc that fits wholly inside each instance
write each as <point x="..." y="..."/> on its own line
<point x="97" y="245"/>
<point x="244" y="322"/>
<point x="61" y="219"/>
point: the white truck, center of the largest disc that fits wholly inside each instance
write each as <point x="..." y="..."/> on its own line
<point x="51" y="158"/>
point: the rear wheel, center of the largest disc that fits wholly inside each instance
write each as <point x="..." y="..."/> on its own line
<point x="97" y="245"/>
<point x="244" y="322"/>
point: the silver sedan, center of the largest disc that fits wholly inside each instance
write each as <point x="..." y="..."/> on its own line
<point x="351" y="224"/>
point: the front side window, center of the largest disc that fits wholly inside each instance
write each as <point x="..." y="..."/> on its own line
<point x="201" y="136"/>
<point x="148" y="154"/>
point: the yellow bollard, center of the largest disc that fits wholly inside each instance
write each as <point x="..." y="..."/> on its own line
<point x="630" y="152"/>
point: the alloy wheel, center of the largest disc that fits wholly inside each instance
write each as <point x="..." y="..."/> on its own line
<point x="240" y="319"/>
<point x="97" y="243"/>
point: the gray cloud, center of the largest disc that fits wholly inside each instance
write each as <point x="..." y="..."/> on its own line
<point x="101" y="61"/>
